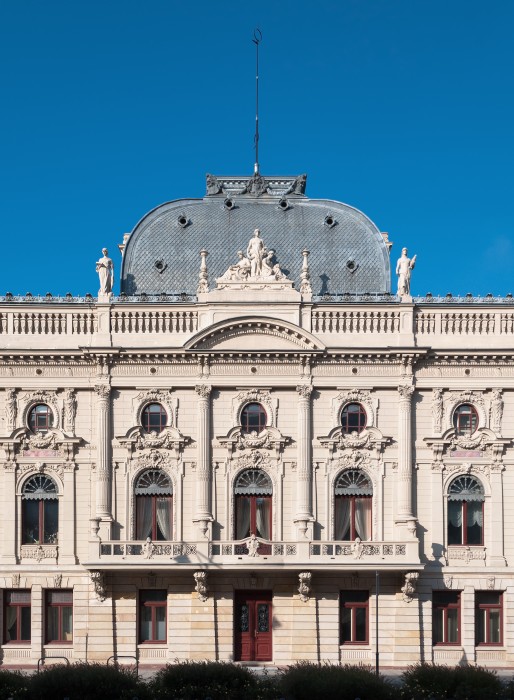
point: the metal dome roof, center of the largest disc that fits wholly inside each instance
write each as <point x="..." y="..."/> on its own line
<point x="347" y="251"/>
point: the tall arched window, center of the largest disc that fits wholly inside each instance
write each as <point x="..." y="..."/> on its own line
<point x="466" y="511"/>
<point x="253" y="418"/>
<point x="353" y="501"/>
<point x="465" y="419"/>
<point x="154" y="417"/>
<point x="154" y="506"/>
<point x="253" y="491"/>
<point x="39" y="511"/>
<point x="353" y="418"/>
<point x="41" y="418"/>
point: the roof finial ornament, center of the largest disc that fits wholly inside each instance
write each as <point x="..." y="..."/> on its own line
<point x="203" y="281"/>
<point x="257" y="38"/>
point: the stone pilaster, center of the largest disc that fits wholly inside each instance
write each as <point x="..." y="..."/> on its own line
<point x="9" y="514"/>
<point x="103" y="458"/>
<point x="203" y="516"/>
<point x="68" y="524"/>
<point x="303" y="517"/>
<point x="404" y="516"/>
<point x="496" y="554"/>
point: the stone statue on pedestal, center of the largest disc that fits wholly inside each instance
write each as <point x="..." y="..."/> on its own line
<point x="105" y="269"/>
<point x="404" y="266"/>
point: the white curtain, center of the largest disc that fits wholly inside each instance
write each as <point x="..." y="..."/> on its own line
<point x="163" y="512"/>
<point x="242" y="517"/>
<point x="262" y="518"/>
<point x="342" y="518"/>
<point x="455" y="513"/>
<point x="10" y="623"/>
<point x="143" y="517"/>
<point x="363" y="518"/>
<point x="475" y="513"/>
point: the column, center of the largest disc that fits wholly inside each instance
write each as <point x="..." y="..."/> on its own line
<point x="103" y="458"/>
<point x="303" y="462"/>
<point x="404" y="513"/>
<point x="203" y="515"/>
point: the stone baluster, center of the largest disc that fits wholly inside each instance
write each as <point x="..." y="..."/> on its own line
<point x="203" y="515"/>
<point x="304" y="463"/>
<point x="405" y="515"/>
<point x="103" y="459"/>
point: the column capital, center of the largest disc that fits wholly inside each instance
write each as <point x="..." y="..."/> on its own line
<point x="405" y="391"/>
<point x="203" y="390"/>
<point x="304" y="391"/>
<point x="103" y="391"/>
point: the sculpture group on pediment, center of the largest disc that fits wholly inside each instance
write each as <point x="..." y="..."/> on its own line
<point x="256" y="266"/>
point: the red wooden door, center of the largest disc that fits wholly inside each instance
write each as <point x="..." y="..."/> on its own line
<point x="253" y="626"/>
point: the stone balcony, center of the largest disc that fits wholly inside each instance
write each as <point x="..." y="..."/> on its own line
<point x="234" y="555"/>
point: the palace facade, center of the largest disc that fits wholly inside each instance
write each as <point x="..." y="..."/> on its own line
<point x="254" y="447"/>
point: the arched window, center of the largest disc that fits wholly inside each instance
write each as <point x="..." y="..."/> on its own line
<point x="466" y="511"/>
<point x="253" y="418"/>
<point x="353" y="500"/>
<point x="154" y="506"/>
<point x="253" y="491"/>
<point x="353" y="418"/>
<point x="39" y="511"/>
<point x="465" y="419"/>
<point x="41" y="418"/>
<point x="154" y="417"/>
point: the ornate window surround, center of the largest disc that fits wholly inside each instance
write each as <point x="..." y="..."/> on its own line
<point x="40" y="397"/>
<point x="362" y="396"/>
<point x="175" y="474"/>
<point x="163" y="397"/>
<point x="253" y="395"/>
<point x="377" y="504"/>
<point x="456" y="399"/>
<point x="27" y="472"/>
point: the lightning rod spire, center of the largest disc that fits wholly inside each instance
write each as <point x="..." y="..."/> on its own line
<point x="257" y="38"/>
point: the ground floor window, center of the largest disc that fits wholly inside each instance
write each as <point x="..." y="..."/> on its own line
<point x="488" y="617"/>
<point x="446" y="617"/>
<point x="59" y="616"/>
<point x="354" y="617"/>
<point x="152" y="616"/>
<point x="16" y="616"/>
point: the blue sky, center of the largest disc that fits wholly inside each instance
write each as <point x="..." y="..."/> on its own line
<point x="402" y="108"/>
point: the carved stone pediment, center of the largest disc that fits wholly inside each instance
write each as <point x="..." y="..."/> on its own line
<point x="52" y="443"/>
<point x="137" y="440"/>
<point x="238" y="440"/>
<point x="369" y="439"/>
<point x="254" y="459"/>
<point x="251" y="333"/>
<point x="152" y="459"/>
<point x="483" y="443"/>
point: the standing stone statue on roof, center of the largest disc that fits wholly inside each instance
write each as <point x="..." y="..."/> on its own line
<point x="255" y="252"/>
<point x="105" y="269"/>
<point x="404" y="266"/>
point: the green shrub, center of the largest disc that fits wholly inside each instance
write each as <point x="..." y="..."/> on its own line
<point x="196" y="680"/>
<point x="305" y="681"/>
<point x="86" y="682"/>
<point x="424" y="681"/>
<point x="13" y="684"/>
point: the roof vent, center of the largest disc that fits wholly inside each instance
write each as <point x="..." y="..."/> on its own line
<point x="229" y="203"/>
<point x="160" y="266"/>
<point x="329" y="221"/>
<point x="352" y="266"/>
<point x="183" y="220"/>
<point x="283" y="204"/>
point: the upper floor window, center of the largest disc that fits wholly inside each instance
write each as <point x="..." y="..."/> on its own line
<point x="353" y="501"/>
<point x="154" y="418"/>
<point x="253" y="418"/>
<point x="39" y="511"/>
<point x="154" y="506"/>
<point x="353" y="418"/>
<point x="253" y="492"/>
<point x="17" y="616"/>
<point x="41" y="418"/>
<point x="465" y="419"/>
<point x="466" y="511"/>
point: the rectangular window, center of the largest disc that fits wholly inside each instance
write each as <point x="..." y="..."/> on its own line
<point x="354" y="617"/>
<point x="446" y="617"/>
<point x="59" y="616"/>
<point x="488" y="617"/>
<point x="16" y="616"/>
<point x="152" y="616"/>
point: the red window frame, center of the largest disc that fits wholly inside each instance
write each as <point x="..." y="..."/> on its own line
<point x="8" y="604"/>
<point x="484" y="609"/>
<point x="60" y="606"/>
<point x="253" y="418"/>
<point x="353" y="530"/>
<point x="153" y="605"/>
<point x="348" y="413"/>
<point x="443" y="602"/>
<point x="464" y="527"/>
<point x="154" y="536"/>
<point x="354" y="601"/>
<point x="35" y="424"/>
<point x="253" y="514"/>
<point x="41" y="520"/>
<point x="148" y="413"/>
<point x="460" y="415"/>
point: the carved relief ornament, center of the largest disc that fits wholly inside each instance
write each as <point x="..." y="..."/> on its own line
<point x="11" y="409"/>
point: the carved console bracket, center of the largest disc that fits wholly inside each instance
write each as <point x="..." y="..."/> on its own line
<point x="305" y="585"/>
<point x="409" y="587"/>
<point x="201" y="585"/>
<point x="99" y="584"/>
